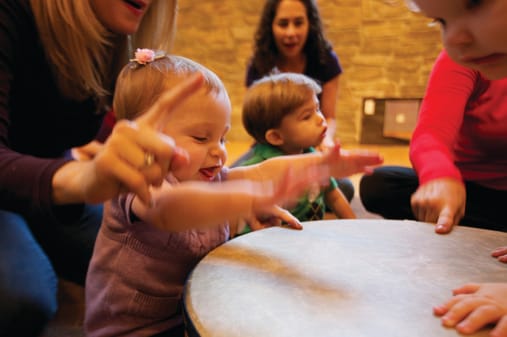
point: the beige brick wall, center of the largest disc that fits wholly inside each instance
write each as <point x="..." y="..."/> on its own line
<point x="385" y="50"/>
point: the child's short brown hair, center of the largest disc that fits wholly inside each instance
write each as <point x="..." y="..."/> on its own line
<point x="273" y="97"/>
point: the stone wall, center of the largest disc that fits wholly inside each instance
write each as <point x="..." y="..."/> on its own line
<point x="386" y="50"/>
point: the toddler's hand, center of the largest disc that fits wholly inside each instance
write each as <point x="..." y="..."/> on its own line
<point x="290" y="187"/>
<point x="440" y="201"/>
<point x="501" y="254"/>
<point x="275" y="217"/>
<point x="344" y="163"/>
<point x="475" y="306"/>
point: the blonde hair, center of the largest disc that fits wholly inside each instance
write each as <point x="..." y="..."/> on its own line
<point x="271" y="98"/>
<point x="140" y="85"/>
<point x="85" y="56"/>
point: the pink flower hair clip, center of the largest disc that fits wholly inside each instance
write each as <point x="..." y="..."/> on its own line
<point x="145" y="55"/>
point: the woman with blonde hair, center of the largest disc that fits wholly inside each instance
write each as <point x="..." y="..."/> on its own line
<point x="59" y="60"/>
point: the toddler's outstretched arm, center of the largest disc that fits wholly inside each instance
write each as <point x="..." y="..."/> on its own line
<point x="475" y="306"/>
<point x="196" y="204"/>
<point x="337" y="163"/>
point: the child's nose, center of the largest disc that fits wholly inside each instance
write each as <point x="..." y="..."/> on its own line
<point x="321" y="119"/>
<point x="217" y="150"/>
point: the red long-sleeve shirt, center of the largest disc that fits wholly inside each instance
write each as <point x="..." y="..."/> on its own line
<point x="462" y="127"/>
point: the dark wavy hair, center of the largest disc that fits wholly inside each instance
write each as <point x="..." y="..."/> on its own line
<point x="265" y="50"/>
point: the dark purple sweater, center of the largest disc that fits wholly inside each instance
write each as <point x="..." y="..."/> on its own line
<point x="37" y="124"/>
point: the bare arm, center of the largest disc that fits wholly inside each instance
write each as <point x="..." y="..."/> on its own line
<point x="441" y="197"/>
<point x="195" y="204"/>
<point x="199" y="204"/>
<point x="336" y="163"/>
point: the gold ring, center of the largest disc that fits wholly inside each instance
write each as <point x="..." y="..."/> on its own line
<point x="149" y="159"/>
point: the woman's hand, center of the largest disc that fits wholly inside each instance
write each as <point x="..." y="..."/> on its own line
<point x="440" y="201"/>
<point x="86" y="152"/>
<point x="475" y="306"/>
<point x="135" y="156"/>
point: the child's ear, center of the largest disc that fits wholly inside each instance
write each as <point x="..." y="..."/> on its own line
<point x="274" y="137"/>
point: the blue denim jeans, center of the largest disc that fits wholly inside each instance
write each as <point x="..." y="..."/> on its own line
<point x="32" y="257"/>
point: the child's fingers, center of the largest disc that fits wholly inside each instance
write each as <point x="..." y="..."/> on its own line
<point x="294" y="184"/>
<point x="501" y="328"/>
<point x="155" y="116"/>
<point x="445" y="221"/>
<point x="135" y="145"/>
<point x="344" y="163"/>
<point x="440" y="310"/>
<point x="255" y="224"/>
<point x="459" y="294"/>
<point x="445" y="307"/>
<point x="499" y="252"/>
<point x="462" y="308"/>
<point x="287" y="218"/>
<point x="478" y="318"/>
<point x="468" y="288"/>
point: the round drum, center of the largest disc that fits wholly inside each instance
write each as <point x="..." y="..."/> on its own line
<point x="338" y="278"/>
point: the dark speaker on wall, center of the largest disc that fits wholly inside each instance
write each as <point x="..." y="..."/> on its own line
<point x="389" y="120"/>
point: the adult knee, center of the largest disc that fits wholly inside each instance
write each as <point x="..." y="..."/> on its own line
<point x="387" y="191"/>
<point x="372" y="192"/>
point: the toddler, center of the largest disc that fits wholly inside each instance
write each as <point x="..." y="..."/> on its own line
<point x="281" y="112"/>
<point x="473" y="34"/>
<point x="145" y="252"/>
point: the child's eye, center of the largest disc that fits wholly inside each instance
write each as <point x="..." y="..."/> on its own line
<point x="223" y="140"/>
<point x="200" y="139"/>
